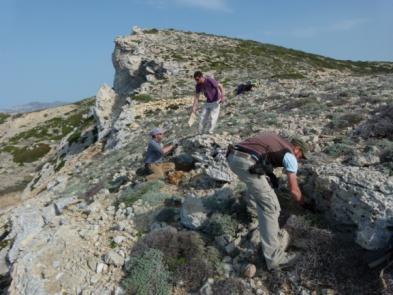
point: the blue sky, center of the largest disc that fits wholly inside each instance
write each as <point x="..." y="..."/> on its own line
<point x="52" y="50"/>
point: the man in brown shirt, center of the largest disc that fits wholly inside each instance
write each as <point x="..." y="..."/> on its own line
<point x="273" y="151"/>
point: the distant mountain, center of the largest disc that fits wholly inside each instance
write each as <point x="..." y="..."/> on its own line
<point x="32" y="106"/>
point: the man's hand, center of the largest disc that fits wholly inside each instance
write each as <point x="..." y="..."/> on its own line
<point x="294" y="188"/>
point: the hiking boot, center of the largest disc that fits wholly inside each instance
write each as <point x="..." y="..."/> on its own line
<point x="284" y="239"/>
<point x="287" y="262"/>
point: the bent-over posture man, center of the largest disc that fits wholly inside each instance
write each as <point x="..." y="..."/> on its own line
<point x="214" y="93"/>
<point x="251" y="160"/>
<point x="155" y="155"/>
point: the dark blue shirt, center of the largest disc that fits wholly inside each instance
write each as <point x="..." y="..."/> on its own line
<point x="154" y="152"/>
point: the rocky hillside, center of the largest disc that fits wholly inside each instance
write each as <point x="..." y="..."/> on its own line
<point x="92" y="224"/>
<point x="29" y="140"/>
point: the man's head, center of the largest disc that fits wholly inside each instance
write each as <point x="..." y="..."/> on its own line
<point x="198" y="76"/>
<point x="157" y="134"/>
<point x="300" y="148"/>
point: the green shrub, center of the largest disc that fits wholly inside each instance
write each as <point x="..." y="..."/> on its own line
<point x="151" y="31"/>
<point x="185" y="254"/>
<point x="147" y="274"/>
<point x="214" y="204"/>
<point x="27" y="154"/>
<point x="168" y="215"/>
<point x="56" y="128"/>
<point x="148" y="192"/>
<point x="230" y="286"/>
<point x="3" y="117"/>
<point x="289" y="75"/>
<point x="339" y="149"/>
<point x="74" y="137"/>
<point x="142" y="97"/>
<point x="340" y="122"/>
<point x="220" y="224"/>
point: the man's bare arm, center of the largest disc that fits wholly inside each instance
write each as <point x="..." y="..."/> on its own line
<point x="168" y="148"/>
<point x="294" y="188"/>
<point x="222" y="91"/>
<point x="195" y="103"/>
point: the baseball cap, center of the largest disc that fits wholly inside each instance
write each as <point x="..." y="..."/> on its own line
<point x="156" y="131"/>
<point x="300" y="143"/>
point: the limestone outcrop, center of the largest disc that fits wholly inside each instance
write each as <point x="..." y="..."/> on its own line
<point x="355" y="196"/>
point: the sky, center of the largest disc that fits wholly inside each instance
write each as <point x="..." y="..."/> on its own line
<point x="60" y="50"/>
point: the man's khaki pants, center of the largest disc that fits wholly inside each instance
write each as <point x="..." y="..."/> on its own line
<point x="268" y="208"/>
<point x="158" y="170"/>
<point x="209" y="117"/>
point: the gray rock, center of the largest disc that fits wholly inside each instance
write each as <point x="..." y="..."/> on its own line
<point x="193" y="214"/>
<point x="4" y="268"/>
<point x="358" y="196"/>
<point x="26" y="223"/>
<point x="114" y="259"/>
<point x="219" y="172"/>
<point x="249" y="271"/>
<point x="61" y="204"/>
<point x="119" y="239"/>
<point x="106" y="101"/>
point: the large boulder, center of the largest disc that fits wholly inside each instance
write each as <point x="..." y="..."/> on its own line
<point x="355" y="196"/>
<point x="107" y="101"/>
<point x="193" y="214"/>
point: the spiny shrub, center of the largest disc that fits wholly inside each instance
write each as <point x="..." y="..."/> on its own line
<point x="326" y="259"/>
<point x="185" y="255"/>
<point x="148" y="192"/>
<point x="230" y="286"/>
<point x="168" y="215"/>
<point x="344" y="121"/>
<point x="147" y="274"/>
<point x="220" y="224"/>
<point x="214" y="204"/>
<point x="339" y="149"/>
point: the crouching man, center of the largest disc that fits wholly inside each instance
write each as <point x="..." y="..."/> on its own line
<point x="252" y="160"/>
<point x="155" y="155"/>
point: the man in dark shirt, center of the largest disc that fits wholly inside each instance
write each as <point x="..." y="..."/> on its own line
<point x="155" y="155"/>
<point x="214" y="93"/>
<point x="272" y="151"/>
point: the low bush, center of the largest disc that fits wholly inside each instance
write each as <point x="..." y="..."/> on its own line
<point x="148" y="192"/>
<point x="230" y="286"/>
<point x="341" y="147"/>
<point x="3" y="117"/>
<point x="185" y="254"/>
<point x="289" y="75"/>
<point x="326" y="259"/>
<point x="27" y="154"/>
<point x="220" y="224"/>
<point x="168" y="215"/>
<point x="147" y="274"/>
<point x="340" y="122"/>
<point x="151" y="31"/>
<point x="74" y="137"/>
<point x="142" y="97"/>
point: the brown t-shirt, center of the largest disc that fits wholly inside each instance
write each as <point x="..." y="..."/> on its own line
<point x="269" y="145"/>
